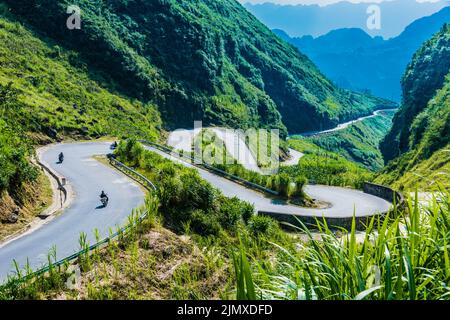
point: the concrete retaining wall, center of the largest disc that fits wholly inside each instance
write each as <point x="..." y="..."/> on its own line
<point x="384" y="192"/>
<point x="292" y="221"/>
<point x="380" y="191"/>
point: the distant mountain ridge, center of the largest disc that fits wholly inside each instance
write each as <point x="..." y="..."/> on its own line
<point x="300" y="20"/>
<point x="355" y="60"/>
<point x="203" y="60"/>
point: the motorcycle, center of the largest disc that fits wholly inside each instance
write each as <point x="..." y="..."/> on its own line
<point x="104" y="201"/>
<point x="114" y="146"/>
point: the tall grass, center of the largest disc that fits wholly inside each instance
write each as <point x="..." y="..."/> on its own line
<point x="403" y="257"/>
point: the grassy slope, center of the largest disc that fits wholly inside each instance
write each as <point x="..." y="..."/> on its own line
<point x="427" y="73"/>
<point x="423" y="123"/>
<point x="390" y="262"/>
<point x="192" y="261"/>
<point x="238" y="72"/>
<point x="430" y="175"/>
<point x="45" y="90"/>
<point x="325" y="167"/>
<point x="359" y="142"/>
<point x="59" y="93"/>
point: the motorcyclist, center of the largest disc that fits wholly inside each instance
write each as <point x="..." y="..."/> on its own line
<point x="103" y="195"/>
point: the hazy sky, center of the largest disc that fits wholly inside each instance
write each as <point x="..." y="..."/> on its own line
<point x="320" y="2"/>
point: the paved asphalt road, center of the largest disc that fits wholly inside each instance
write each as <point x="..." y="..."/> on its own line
<point x="182" y="139"/>
<point x="87" y="178"/>
<point x="344" y="201"/>
<point x="344" y="125"/>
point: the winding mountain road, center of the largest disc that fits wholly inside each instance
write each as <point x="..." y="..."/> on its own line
<point x="344" y="125"/>
<point x="183" y="139"/>
<point x="344" y="202"/>
<point x="87" y="178"/>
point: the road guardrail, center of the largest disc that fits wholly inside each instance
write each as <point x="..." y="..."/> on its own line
<point x="123" y="168"/>
<point x="199" y="163"/>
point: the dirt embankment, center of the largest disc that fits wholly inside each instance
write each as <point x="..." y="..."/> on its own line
<point x="158" y="265"/>
<point x="20" y="209"/>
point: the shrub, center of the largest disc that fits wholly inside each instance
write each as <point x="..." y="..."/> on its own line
<point x="260" y="225"/>
<point x="248" y="210"/>
<point x="297" y="190"/>
<point x="204" y="223"/>
<point x="230" y="212"/>
<point x="283" y="184"/>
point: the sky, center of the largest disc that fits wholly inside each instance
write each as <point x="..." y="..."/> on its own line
<point x="321" y="2"/>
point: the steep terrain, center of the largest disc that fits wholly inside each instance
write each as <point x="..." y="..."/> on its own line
<point x="356" y="61"/>
<point x="360" y="141"/>
<point x="46" y="94"/>
<point x="209" y="60"/>
<point x="421" y="128"/>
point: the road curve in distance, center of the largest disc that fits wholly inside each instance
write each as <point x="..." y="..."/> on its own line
<point x="88" y="178"/>
<point x="344" y="202"/>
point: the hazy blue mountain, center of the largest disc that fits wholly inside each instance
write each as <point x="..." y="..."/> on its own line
<point x="301" y="20"/>
<point x="355" y="60"/>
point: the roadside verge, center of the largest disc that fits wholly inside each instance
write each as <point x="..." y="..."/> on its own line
<point x="61" y="199"/>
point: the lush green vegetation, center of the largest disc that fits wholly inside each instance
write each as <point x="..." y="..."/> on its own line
<point x="47" y="94"/>
<point x="406" y="173"/>
<point x="212" y="59"/>
<point x="324" y="167"/>
<point x="317" y="166"/>
<point x="187" y="201"/>
<point x="421" y="130"/>
<point x="360" y="141"/>
<point x="59" y="97"/>
<point x="215" y="153"/>
<point x="400" y="258"/>
<point x="149" y="261"/>
<point x="287" y="186"/>
<point x="14" y="150"/>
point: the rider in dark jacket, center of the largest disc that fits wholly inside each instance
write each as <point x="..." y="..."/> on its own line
<point x="104" y="195"/>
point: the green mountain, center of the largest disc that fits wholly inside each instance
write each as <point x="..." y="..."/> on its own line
<point x="47" y="94"/>
<point x="208" y="60"/>
<point x="346" y="56"/>
<point x="360" y="141"/>
<point x="420" y="136"/>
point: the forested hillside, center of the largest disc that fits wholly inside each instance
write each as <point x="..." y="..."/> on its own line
<point x="421" y="128"/>
<point x="360" y="141"/>
<point x="209" y="60"/>
<point x="47" y="94"/>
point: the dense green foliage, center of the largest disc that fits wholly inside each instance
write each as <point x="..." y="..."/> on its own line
<point x="186" y="200"/>
<point x="360" y="141"/>
<point x="46" y="93"/>
<point x="424" y="76"/>
<point x="400" y="258"/>
<point x="324" y="167"/>
<point x="421" y="128"/>
<point x="14" y="150"/>
<point x="211" y="59"/>
<point x="287" y="187"/>
<point x="60" y="96"/>
<point x="403" y="257"/>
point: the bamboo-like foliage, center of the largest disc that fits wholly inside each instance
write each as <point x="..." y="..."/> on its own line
<point x="400" y="257"/>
